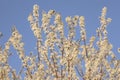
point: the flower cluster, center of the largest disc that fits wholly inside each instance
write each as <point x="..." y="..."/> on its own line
<point x="61" y="57"/>
<point x="15" y="40"/>
<point x="104" y="22"/>
<point x="82" y="26"/>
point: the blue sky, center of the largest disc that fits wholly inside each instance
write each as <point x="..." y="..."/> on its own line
<point x="15" y="12"/>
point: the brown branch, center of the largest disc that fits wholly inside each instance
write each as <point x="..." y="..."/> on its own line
<point x="85" y="48"/>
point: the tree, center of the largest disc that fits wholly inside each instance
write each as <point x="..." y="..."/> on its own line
<point x="61" y="57"/>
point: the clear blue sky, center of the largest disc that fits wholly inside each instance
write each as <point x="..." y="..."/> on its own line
<point x="15" y="12"/>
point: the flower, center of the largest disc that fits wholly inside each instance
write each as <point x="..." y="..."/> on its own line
<point x="68" y="19"/>
<point x="21" y="44"/>
<point x="104" y="10"/>
<point x="51" y="12"/>
<point x="92" y="38"/>
<point x="109" y="20"/>
<point x="36" y="7"/>
<point x="81" y="21"/>
<point x="30" y="18"/>
<point x="35" y="10"/>
<point x="75" y="18"/>
<point x="57" y="18"/>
